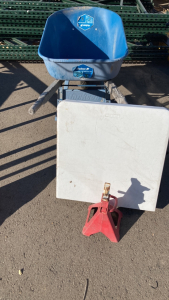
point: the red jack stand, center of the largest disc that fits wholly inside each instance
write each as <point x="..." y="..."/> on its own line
<point x="102" y="220"/>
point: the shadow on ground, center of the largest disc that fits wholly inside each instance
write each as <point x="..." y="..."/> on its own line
<point x="13" y="76"/>
<point x="146" y="85"/>
<point x="18" y="193"/>
<point x="131" y="216"/>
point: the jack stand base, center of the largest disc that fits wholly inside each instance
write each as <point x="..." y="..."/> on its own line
<point x="102" y="220"/>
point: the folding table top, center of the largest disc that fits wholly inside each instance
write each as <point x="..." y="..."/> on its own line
<point x="121" y="144"/>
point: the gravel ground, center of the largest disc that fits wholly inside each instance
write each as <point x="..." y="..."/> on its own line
<point x="41" y="235"/>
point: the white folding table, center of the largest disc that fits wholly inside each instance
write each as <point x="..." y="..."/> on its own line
<point x="124" y="145"/>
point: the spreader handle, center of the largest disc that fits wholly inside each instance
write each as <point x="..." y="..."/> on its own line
<point x="45" y="96"/>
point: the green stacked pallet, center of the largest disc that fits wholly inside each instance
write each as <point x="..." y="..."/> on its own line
<point x="30" y="23"/>
<point x="25" y="20"/>
<point x="147" y="53"/>
<point x="18" y="51"/>
<point x="55" y="6"/>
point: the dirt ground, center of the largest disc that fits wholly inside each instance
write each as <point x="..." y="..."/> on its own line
<point x="41" y="235"/>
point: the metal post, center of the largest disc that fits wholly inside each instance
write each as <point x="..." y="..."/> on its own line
<point x="141" y="6"/>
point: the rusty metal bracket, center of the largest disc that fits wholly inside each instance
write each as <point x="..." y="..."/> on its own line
<point x="117" y="95"/>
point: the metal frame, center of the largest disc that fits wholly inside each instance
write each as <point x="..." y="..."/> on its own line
<point x="109" y="87"/>
<point x="141" y="7"/>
